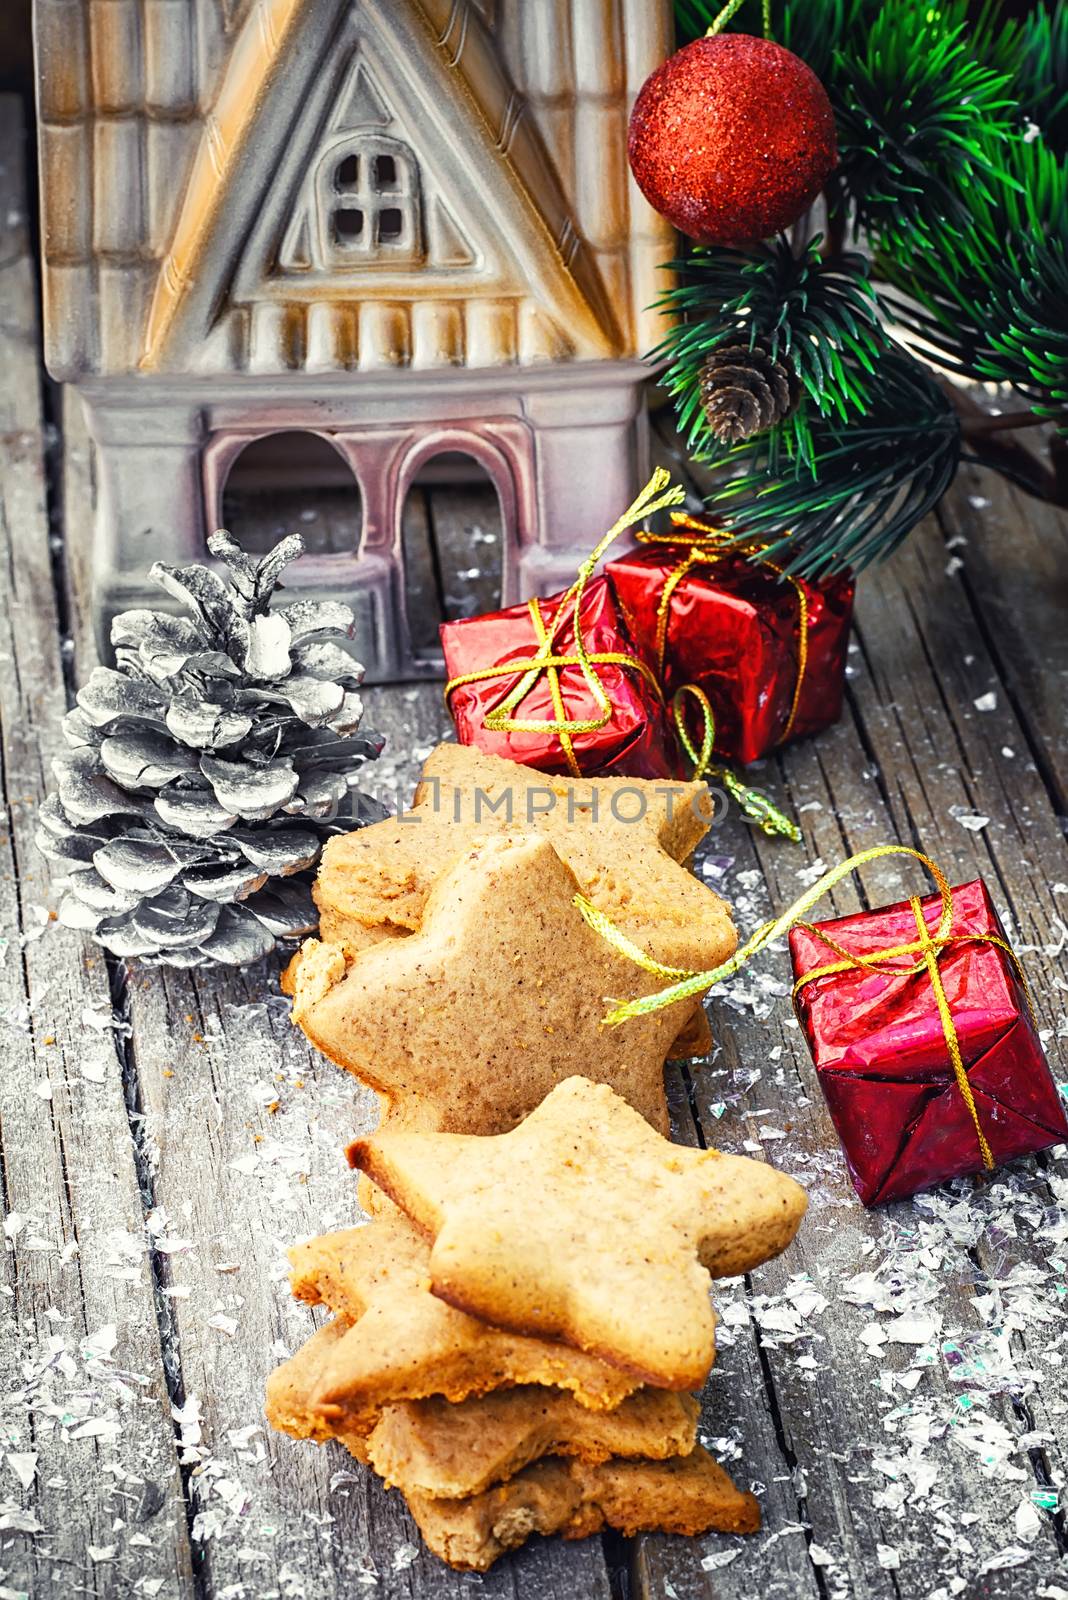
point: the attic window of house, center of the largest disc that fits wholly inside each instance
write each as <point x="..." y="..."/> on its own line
<point x="367" y="191"/>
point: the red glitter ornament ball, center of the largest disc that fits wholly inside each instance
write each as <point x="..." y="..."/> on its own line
<point x="732" y="139"/>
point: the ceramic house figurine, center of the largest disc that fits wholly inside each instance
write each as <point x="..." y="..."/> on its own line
<point x="406" y="226"/>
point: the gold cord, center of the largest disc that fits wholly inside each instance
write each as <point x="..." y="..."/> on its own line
<point x="927" y="947"/>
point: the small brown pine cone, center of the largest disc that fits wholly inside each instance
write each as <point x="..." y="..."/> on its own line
<point x="745" y="391"/>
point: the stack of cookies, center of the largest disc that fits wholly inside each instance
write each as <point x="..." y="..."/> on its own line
<point x="514" y="1339"/>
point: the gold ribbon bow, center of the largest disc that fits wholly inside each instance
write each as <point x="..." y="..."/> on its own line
<point x="656" y="495"/>
<point x="705" y="545"/>
<point x="926" y="948"/>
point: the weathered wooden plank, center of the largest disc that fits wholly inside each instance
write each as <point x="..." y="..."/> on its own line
<point x="89" y="1449"/>
<point x="1010" y="548"/>
<point x="740" y="1424"/>
<point x="74" y="488"/>
<point x="452" y="555"/>
<point x="422" y="581"/>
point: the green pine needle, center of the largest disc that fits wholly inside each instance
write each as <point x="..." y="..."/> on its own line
<point x="916" y="112"/>
<point x="1029" y="337"/>
<point x="820" y="316"/>
<point x="1041" y="83"/>
<point x="874" y="478"/>
<point x="993" y="302"/>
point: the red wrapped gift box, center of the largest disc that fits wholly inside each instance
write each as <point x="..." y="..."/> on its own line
<point x="734" y="627"/>
<point x="634" y="741"/>
<point x="883" y="1059"/>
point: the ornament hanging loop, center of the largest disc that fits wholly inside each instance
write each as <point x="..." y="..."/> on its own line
<point x="720" y="22"/>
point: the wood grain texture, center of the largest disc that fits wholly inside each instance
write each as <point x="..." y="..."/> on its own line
<point x="1011" y="549"/>
<point x="452" y="555"/>
<point x="84" y="1387"/>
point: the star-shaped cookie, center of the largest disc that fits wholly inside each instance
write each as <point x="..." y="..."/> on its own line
<point x="584" y="1225"/>
<point x="688" y="1494"/>
<point x="468" y="1024"/>
<point x="442" y="1447"/>
<point x="396" y="1341"/>
<point x="624" y="839"/>
<point x="292" y="1388"/>
<point x="437" y="1448"/>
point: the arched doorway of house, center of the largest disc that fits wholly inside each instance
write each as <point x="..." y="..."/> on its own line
<point x="293" y="482"/>
<point x="452" y="530"/>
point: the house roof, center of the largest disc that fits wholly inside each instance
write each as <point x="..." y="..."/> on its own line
<point x="154" y="118"/>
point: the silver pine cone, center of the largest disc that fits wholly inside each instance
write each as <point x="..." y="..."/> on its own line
<point x="208" y="766"/>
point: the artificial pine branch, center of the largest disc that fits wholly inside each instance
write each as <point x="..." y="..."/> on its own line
<point x="1029" y="336"/>
<point x="952" y="131"/>
<point x="821" y="317"/>
<point x="919" y="119"/>
<point x="992" y="302"/>
<point x="873" y="477"/>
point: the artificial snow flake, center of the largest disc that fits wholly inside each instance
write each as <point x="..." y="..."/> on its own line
<point x="974" y="821"/>
<point x="207" y="1525"/>
<point x="1011" y="1556"/>
<point x="1027" y="1522"/>
<point x="13" y="1519"/>
<point x="98" y="1428"/>
<point x="101" y="1344"/>
<point x="23" y="1464"/>
<point x="187" y="1417"/>
<point x="719" y="1558"/>
<point x="913" y="1328"/>
<point x="173" y="1246"/>
<point x="241" y="1438"/>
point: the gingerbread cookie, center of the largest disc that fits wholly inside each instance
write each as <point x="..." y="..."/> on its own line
<point x="688" y="1494"/>
<point x="435" y="1448"/>
<point x="582" y="1224"/>
<point x="622" y="837"/>
<point x="291" y="1386"/>
<point x="407" y="1344"/>
<point x="470" y="1022"/>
